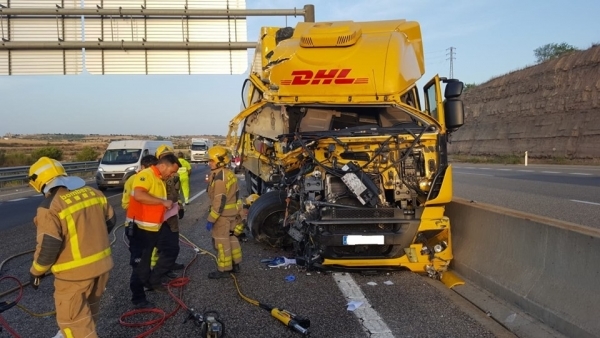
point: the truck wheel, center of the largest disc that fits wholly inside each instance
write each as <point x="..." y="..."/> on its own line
<point x="266" y="218"/>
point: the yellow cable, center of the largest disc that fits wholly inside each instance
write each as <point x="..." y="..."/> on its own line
<point x="45" y="314"/>
<point x="248" y="299"/>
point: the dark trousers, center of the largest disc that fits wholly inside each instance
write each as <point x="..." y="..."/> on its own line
<point x="141" y="245"/>
<point x="167" y="247"/>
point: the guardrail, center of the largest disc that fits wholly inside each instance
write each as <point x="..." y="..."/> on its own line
<point x="18" y="175"/>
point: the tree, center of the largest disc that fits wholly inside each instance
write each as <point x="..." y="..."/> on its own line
<point x="87" y="154"/>
<point x="51" y="152"/>
<point x="552" y="50"/>
<point x="469" y="86"/>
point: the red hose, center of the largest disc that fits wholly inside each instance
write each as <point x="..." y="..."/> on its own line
<point x="3" y="321"/>
<point x="157" y="323"/>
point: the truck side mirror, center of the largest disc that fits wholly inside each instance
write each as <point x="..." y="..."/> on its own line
<point x="454" y="89"/>
<point x="454" y="113"/>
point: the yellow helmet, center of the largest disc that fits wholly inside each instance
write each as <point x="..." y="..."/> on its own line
<point x="219" y="155"/>
<point x="251" y="199"/>
<point x="164" y="149"/>
<point x="43" y="171"/>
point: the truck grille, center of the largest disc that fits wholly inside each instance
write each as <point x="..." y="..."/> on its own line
<point x="363" y="213"/>
<point x="358" y="228"/>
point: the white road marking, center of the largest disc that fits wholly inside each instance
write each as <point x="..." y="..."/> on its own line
<point x="17" y="199"/>
<point x="525" y="171"/>
<point x="551" y="172"/>
<point x="505" y="169"/>
<point x="370" y="319"/>
<point x="470" y="167"/>
<point x="458" y="172"/>
<point x="585" y="202"/>
<point x="197" y="195"/>
<point x="485" y="168"/>
<point x="584" y="174"/>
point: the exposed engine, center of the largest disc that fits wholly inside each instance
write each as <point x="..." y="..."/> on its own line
<point x="338" y="199"/>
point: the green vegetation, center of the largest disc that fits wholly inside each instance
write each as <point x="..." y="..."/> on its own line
<point x="14" y="159"/>
<point x="469" y="86"/>
<point x="51" y="152"/>
<point x="551" y="51"/>
<point x="87" y="154"/>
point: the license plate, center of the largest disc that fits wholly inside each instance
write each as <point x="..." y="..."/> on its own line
<point x="113" y="182"/>
<point x="363" y="240"/>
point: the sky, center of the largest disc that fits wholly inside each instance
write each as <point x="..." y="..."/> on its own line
<point x="490" y="37"/>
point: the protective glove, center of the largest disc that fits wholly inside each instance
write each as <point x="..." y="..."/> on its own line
<point x="181" y="211"/>
<point x="209" y="226"/>
<point x="35" y="280"/>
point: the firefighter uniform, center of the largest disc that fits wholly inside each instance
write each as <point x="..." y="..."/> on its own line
<point x="73" y="223"/>
<point x="184" y="177"/>
<point x="224" y="213"/>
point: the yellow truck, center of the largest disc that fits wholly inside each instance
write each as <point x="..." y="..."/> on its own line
<point x="351" y="167"/>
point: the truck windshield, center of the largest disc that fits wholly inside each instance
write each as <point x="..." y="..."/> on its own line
<point x="198" y="146"/>
<point x="121" y="156"/>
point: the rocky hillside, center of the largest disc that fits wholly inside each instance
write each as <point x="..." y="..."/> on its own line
<point x="550" y="110"/>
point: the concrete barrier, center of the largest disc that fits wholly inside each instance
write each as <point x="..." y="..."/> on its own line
<point x="548" y="268"/>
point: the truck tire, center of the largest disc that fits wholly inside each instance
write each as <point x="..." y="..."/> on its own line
<point x="266" y="216"/>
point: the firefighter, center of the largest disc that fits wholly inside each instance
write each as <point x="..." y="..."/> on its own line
<point x="147" y="208"/>
<point x="224" y="213"/>
<point x="73" y="223"/>
<point x="184" y="177"/>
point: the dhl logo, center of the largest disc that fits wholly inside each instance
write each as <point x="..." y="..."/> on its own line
<point x="323" y="76"/>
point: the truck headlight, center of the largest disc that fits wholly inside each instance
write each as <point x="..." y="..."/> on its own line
<point x="134" y="168"/>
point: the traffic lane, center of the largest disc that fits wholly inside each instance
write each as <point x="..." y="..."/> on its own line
<point x="18" y="212"/>
<point x="559" y="201"/>
<point x="551" y="176"/>
<point x="543" y="168"/>
<point x="19" y="207"/>
<point x="584" y="188"/>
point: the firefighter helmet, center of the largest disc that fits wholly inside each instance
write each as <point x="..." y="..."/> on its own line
<point x="219" y="155"/>
<point x="251" y="199"/>
<point x="47" y="173"/>
<point x="164" y="149"/>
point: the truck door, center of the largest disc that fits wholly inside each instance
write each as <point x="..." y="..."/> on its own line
<point x="434" y="104"/>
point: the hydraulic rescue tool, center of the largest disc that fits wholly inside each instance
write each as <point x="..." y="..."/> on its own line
<point x="210" y="324"/>
<point x="294" y="322"/>
<point x="289" y="319"/>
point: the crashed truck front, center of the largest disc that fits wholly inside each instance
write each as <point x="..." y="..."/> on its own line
<point x="350" y="165"/>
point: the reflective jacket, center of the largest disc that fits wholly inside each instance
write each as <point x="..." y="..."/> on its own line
<point x="72" y="234"/>
<point x="185" y="168"/>
<point x="147" y="216"/>
<point x="223" y="193"/>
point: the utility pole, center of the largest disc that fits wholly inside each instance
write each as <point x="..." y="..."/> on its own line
<point x="451" y="58"/>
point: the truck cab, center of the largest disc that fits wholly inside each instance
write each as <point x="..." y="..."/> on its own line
<point x="351" y="167"/>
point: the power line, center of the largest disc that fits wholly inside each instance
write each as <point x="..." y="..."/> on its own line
<point x="451" y="58"/>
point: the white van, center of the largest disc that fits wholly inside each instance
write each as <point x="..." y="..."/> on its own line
<point x="122" y="159"/>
